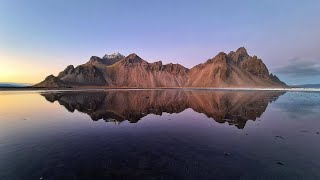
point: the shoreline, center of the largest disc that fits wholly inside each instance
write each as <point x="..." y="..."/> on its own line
<point x="157" y="88"/>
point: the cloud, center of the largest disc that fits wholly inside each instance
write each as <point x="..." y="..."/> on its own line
<point x="300" y="68"/>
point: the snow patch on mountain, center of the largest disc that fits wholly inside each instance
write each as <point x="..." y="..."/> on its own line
<point x="113" y="56"/>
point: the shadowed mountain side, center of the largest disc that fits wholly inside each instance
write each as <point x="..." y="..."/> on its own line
<point x="234" y="107"/>
<point x="236" y="69"/>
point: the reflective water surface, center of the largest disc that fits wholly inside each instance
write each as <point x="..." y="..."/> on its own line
<point x="159" y="134"/>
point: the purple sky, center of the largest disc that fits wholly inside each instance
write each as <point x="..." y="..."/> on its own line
<point x="39" y="38"/>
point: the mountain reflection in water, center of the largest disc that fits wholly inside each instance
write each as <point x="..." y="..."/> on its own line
<point x="234" y="107"/>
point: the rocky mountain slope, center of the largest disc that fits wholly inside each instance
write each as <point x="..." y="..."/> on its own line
<point x="236" y="69"/>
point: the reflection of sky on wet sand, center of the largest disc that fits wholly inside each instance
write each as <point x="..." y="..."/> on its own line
<point x="43" y="139"/>
<point x="300" y="104"/>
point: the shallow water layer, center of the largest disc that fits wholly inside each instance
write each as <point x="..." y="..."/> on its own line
<point x="160" y="134"/>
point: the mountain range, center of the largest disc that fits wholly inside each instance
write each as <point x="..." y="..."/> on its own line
<point x="306" y="86"/>
<point x="12" y="85"/>
<point x="235" y="69"/>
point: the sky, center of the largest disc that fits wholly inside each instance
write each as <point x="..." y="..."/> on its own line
<point x="39" y="38"/>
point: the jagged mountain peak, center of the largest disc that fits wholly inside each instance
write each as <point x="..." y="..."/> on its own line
<point x="221" y="56"/>
<point x="133" y="55"/>
<point x="113" y="56"/>
<point x="107" y="60"/>
<point x="238" y="56"/>
<point x="242" y="51"/>
<point x="51" y="81"/>
<point x="133" y="58"/>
